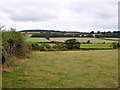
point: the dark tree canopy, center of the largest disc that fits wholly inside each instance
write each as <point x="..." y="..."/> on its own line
<point x="72" y="44"/>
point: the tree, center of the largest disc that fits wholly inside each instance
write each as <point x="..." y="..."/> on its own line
<point x="92" y="32"/>
<point x="88" y="41"/>
<point x="97" y="36"/>
<point x="47" y="37"/>
<point x="98" y="32"/>
<point x="72" y="44"/>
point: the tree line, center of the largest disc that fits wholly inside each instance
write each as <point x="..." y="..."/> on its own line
<point x="53" y="33"/>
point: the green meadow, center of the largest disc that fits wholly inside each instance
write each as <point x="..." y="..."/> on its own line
<point x="37" y="40"/>
<point x="96" y="46"/>
<point x="65" y="69"/>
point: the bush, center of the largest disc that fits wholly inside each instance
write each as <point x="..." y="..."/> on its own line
<point x="14" y="45"/>
<point x="60" y="46"/>
<point x="67" y="45"/>
<point x="41" y="47"/>
<point x="115" y="45"/>
<point x="103" y="42"/>
<point x="72" y="44"/>
<point x="47" y="37"/>
<point x="45" y="47"/>
<point x="88" y="41"/>
<point x="35" y="46"/>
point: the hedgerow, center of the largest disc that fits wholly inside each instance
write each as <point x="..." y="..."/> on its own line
<point x="14" y="45"/>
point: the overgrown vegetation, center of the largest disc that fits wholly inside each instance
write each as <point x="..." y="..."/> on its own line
<point x="72" y="44"/>
<point x="14" y="45"/>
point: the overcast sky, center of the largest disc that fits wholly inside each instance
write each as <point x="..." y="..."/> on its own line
<point x="64" y="15"/>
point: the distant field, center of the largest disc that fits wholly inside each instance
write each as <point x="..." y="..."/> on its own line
<point x="37" y="40"/>
<point x="112" y="38"/>
<point x="93" y="45"/>
<point x="65" y="69"/>
<point x="96" y="46"/>
<point x="93" y="40"/>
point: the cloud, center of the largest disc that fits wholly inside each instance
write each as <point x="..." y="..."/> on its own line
<point x="31" y="11"/>
<point x="95" y="15"/>
<point x="67" y="15"/>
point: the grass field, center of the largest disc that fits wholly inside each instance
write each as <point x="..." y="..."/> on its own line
<point x="96" y="46"/>
<point x="65" y="69"/>
<point x="112" y="38"/>
<point x="93" y="40"/>
<point x="37" y="40"/>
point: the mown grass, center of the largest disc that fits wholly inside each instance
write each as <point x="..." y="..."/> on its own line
<point x="37" y="40"/>
<point x="96" y="46"/>
<point x="65" y="69"/>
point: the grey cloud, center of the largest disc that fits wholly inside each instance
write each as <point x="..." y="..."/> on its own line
<point x="99" y="15"/>
<point x="62" y="14"/>
<point x="31" y="11"/>
<point x="100" y="10"/>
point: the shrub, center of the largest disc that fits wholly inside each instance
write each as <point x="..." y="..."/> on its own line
<point x="45" y="47"/>
<point x="14" y="45"/>
<point x="115" y="45"/>
<point x="60" y="46"/>
<point x="47" y="37"/>
<point x="88" y="41"/>
<point x="35" y="46"/>
<point x="103" y="42"/>
<point x="72" y="44"/>
<point x="41" y="47"/>
<point x="23" y="50"/>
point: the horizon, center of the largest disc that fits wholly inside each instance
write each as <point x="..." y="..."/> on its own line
<point x="64" y="31"/>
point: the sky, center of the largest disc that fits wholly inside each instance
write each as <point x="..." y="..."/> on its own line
<point x="62" y="15"/>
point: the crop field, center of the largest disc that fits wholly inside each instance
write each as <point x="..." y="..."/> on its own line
<point x="93" y="40"/>
<point x="65" y="69"/>
<point x="96" y="46"/>
<point x="37" y="40"/>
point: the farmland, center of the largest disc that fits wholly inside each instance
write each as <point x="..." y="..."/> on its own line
<point x="37" y="40"/>
<point x="65" y="69"/>
<point x="93" y="40"/>
<point x="109" y="46"/>
<point x="96" y="46"/>
<point x="112" y="38"/>
<point x="84" y="67"/>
